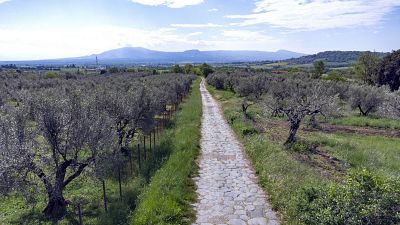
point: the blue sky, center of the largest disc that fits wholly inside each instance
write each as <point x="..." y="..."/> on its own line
<point x="40" y="29"/>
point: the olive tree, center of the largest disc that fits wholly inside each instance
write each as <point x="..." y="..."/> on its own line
<point x="126" y="108"/>
<point x="251" y="88"/>
<point x="298" y="99"/>
<point x="66" y="135"/>
<point x="391" y="107"/>
<point x="366" y="98"/>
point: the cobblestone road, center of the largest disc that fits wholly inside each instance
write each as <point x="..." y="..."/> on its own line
<point x="228" y="192"/>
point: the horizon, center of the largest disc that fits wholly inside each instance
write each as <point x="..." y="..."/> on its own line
<point x="44" y="29"/>
<point x="216" y="50"/>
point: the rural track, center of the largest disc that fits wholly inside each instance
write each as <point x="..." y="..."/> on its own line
<point x="227" y="188"/>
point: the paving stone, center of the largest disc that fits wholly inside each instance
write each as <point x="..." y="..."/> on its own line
<point x="257" y="221"/>
<point x="236" y="222"/>
<point x="227" y="187"/>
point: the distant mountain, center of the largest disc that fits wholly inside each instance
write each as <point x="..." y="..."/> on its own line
<point x="331" y="57"/>
<point x="142" y="55"/>
<point x="131" y="55"/>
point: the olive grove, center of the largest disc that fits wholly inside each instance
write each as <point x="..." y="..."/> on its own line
<point x="53" y="130"/>
<point x="297" y="97"/>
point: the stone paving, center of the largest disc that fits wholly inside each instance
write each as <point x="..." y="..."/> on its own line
<point x="227" y="188"/>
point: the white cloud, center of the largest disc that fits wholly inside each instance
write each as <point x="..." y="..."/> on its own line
<point x="195" y="34"/>
<point x="2" y="1"/>
<point x="213" y="10"/>
<point x="317" y="14"/>
<point x="205" y="25"/>
<point x="247" y="36"/>
<point x="242" y="40"/>
<point x="169" y="3"/>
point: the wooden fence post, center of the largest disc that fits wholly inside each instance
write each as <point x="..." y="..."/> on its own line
<point x="154" y="137"/>
<point x="104" y="195"/>
<point x="80" y="214"/>
<point x="119" y="181"/>
<point x="150" y="140"/>
<point x="144" y="147"/>
<point x="138" y="153"/>
<point x="130" y="162"/>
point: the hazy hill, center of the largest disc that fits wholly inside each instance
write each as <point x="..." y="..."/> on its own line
<point x="331" y="56"/>
<point x="131" y="55"/>
<point x="142" y="55"/>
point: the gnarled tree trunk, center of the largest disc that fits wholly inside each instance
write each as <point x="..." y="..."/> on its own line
<point x="313" y="121"/>
<point x="294" y="126"/>
<point x="56" y="207"/>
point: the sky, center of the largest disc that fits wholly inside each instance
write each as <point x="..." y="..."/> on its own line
<point x="45" y="29"/>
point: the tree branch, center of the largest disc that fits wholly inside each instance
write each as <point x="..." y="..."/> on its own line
<point x="39" y="172"/>
<point x="76" y="174"/>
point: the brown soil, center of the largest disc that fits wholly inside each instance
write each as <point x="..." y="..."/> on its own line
<point x="278" y="130"/>
<point x="369" y="131"/>
<point x="324" y="163"/>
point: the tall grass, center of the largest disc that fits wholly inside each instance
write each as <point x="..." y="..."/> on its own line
<point x="168" y="197"/>
<point x="379" y="154"/>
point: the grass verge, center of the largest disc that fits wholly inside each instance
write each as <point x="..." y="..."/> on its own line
<point x="167" y="198"/>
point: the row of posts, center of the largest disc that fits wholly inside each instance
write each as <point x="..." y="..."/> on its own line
<point x="151" y="140"/>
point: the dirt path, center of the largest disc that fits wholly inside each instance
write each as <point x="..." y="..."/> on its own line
<point x="227" y="188"/>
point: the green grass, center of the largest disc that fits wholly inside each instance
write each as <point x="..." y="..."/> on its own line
<point x="86" y="189"/>
<point x="380" y="155"/>
<point x="362" y="121"/>
<point x="168" y="197"/>
<point x="284" y="177"/>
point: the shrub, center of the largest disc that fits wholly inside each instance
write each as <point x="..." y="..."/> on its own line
<point x="363" y="199"/>
<point x="51" y="75"/>
<point x="334" y="76"/>
<point x="249" y="131"/>
<point x="367" y="67"/>
<point x="302" y="146"/>
<point x="319" y="68"/>
<point x="113" y="70"/>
